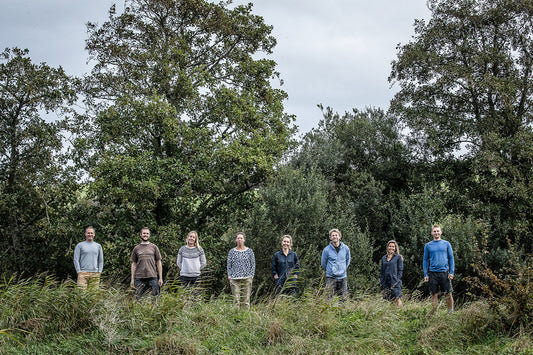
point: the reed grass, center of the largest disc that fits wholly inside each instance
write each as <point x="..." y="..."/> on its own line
<point x="44" y="316"/>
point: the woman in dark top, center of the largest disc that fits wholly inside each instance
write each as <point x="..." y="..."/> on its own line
<point x="391" y="274"/>
<point x="285" y="266"/>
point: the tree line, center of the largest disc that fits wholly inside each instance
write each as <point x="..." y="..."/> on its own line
<point x="179" y="127"/>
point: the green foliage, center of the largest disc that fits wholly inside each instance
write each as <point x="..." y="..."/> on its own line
<point x="186" y="121"/>
<point x="465" y="90"/>
<point x="295" y="204"/>
<point x="509" y="291"/>
<point x="36" y="184"/>
<point x="111" y="321"/>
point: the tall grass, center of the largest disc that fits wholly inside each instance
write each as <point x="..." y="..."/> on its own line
<point x="46" y="316"/>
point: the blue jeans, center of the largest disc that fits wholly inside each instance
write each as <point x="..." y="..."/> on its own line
<point x="142" y="286"/>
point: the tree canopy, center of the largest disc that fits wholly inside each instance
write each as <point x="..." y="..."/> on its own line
<point x="184" y="128"/>
<point x="181" y="86"/>
<point x="466" y="92"/>
<point x="32" y="168"/>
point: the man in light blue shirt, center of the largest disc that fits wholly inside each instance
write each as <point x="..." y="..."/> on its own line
<point x="335" y="260"/>
<point x="89" y="260"/>
<point x="439" y="268"/>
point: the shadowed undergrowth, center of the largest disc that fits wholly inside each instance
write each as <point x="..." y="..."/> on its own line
<point x="44" y="316"/>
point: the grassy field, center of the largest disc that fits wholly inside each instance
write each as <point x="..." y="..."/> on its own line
<point x="47" y="317"/>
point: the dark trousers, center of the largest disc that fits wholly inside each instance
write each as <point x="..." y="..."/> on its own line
<point x="188" y="281"/>
<point x="143" y="285"/>
<point x="337" y="287"/>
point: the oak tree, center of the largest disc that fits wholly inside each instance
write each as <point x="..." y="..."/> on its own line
<point x="188" y="120"/>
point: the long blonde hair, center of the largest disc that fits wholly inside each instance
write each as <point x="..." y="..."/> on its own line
<point x="196" y="243"/>
<point x="396" y="246"/>
<point x="289" y="238"/>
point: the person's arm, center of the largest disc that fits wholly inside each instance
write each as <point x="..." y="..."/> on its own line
<point x="229" y="264"/>
<point x="324" y="259"/>
<point x="77" y="259"/>
<point x="179" y="259"/>
<point x="296" y="266"/>
<point x="100" y="259"/>
<point x="400" y="267"/>
<point x="203" y="261"/>
<point x="382" y="274"/>
<point x="252" y="260"/>
<point x="160" y="272"/>
<point x="425" y="263"/>
<point x="348" y="259"/>
<point x="133" y="268"/>
<point x="451" y="261"/>
<point x="274" y="267"/>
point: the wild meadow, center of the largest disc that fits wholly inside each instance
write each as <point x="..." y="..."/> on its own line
<point x="45" y="316"/>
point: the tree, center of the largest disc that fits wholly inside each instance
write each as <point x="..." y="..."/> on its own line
<point x="297" y="202"/>
<point x="34" y="186"/>
<point x="466" y="94"/>
<point x="363" y="154"/>
<point x="187" y="121"/>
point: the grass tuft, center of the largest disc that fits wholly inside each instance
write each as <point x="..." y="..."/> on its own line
<point x="44" y="316"/>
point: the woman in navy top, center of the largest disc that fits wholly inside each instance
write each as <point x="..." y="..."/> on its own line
<point x="285" y="266"/>
<point x="391" y="274"/>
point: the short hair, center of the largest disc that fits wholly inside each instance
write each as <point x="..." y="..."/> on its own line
<point x="144" y="228"/>
<point x="335" y="230"/>
<point x="288" y="237"/>
<point x="90" y="227"/>
<point x="436" y="226"/>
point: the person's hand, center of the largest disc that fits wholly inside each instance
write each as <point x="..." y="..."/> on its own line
<point x="160" y="282"/>
<point x="132" y="284"/>
<point x="426" y="279"/>
<point x="450" y="276"/>
<point x="276" y="276"/>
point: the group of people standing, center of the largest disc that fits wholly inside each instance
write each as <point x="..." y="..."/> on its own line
<point x="147" y="270"/>
<point x="438" y="266"/>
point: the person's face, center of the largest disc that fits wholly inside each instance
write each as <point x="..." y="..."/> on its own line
<point x="391" y="248"/>
<point x="239" y="240"/>
<point x="191" y="240"/>
<point x="89" y="234"/>
<point x="145" y="235"/>
<point x="286" y="243"/>
<point x="436" y="233"/>
<point x="335" y="237"/>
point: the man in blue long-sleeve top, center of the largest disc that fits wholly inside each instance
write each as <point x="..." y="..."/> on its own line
<point x="88" y="260"/>
<point x="439" y="268"/>
<point x="335" y="260"/>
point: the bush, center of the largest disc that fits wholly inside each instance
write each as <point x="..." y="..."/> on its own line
<point x="509" y="291"/>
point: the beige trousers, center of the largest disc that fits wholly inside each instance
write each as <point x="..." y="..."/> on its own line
<point x="92" y="279"/>
<point x="241" y="290"/>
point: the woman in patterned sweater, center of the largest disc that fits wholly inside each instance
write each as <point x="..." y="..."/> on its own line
<point x="241" y="270"/>
<point x="191" y="260"/>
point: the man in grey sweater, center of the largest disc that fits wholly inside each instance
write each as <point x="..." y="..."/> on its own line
<point x="89" y="260"/>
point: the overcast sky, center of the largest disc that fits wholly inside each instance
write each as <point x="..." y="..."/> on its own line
<point x="336" y="52"/>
